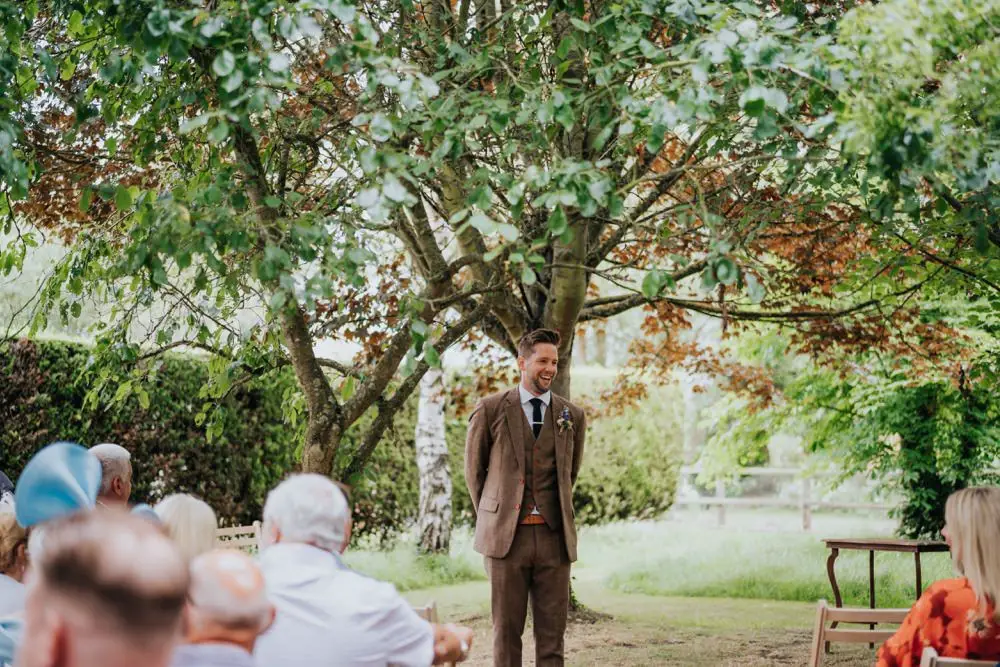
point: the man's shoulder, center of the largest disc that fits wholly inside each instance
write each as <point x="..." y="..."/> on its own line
<point x="573" y="407"/>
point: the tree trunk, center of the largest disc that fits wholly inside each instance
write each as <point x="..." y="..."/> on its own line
<point x="432" y="461"/>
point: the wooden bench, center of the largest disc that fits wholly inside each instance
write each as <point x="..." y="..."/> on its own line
<point x="826" y="614"/>
<point x="244" y="538"/>
<point x="930" y="658"/>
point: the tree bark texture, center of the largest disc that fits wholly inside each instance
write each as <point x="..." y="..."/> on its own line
<point x="434" y="520"/>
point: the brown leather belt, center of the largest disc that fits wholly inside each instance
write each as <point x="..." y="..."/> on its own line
<point x="533" y="520"/>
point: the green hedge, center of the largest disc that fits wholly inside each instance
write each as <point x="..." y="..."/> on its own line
<point x="42" y="389"/>
<point x="630" y="465"/>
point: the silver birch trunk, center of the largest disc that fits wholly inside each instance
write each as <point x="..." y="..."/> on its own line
<point x="434" y="521"/>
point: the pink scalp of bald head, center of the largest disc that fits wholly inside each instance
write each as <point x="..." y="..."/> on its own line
<point x="228" y="593"/>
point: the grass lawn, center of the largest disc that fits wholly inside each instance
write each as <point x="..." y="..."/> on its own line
<point x="681" y="591"/>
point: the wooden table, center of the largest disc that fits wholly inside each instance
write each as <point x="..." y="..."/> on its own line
<point x="871" y="545"/>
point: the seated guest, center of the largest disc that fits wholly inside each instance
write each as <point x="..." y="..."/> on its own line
<point x="189" y="522"/>
<point x="13" y="562"/>
<point x="328" y="615"/>
<point x="958" y="617"/>
<point x="116" y="474"/>
<point x="60" y="479"/>
<point x="108" y="591"/>
<point x="227" y="609"/>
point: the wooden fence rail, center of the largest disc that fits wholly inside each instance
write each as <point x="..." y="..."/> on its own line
<point x="805" y="502"/>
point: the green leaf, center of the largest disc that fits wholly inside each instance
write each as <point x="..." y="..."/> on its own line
<point x="726" y="271"/>
<point x="347" y="388"/>
<point x="86" y="199"/>
<point x="432" y="357"/>
<point x="483" y="223"/>
<point x="580" y="25"/>
<point x="143" y="397"/>
<point x="124" y="389"/>
<point x="219" y="133"/>
<point x="982" y="240"/>
<point x="508" y="232"/>
<point x="75" y="23"/>
<point x="755" y="289"/>
<point x="651" y="285"/>
<point x="272" y="202"/>
<point x="68" y="69"/>
<point x="528" y="276"/>
<point x="123" y="198"/>
<point x="192" y="124"/>
<point x="224" y="64"/>
<point x="557" y="222"/>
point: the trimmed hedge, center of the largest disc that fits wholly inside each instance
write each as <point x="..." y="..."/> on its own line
<point x="630" y="465"/>
<point x="42" y="400"/>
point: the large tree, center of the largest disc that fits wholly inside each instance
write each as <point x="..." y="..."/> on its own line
<point x="247" y="177"/>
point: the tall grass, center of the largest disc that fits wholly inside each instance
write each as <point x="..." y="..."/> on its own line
<point x="692" y="559"/>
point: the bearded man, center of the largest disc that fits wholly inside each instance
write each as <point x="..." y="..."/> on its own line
<point x="522" y="457"/>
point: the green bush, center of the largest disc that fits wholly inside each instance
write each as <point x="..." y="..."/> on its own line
<point x="42" y="391"/>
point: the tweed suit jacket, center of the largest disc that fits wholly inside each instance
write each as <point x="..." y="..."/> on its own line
<point x="495" y="467"/>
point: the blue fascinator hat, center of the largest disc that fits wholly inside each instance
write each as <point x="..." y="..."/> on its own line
<point x="61" y="479"/>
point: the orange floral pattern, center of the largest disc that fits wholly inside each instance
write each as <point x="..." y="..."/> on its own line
<point x="946" y="618"/>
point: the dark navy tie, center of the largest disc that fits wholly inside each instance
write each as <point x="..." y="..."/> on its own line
<point x="536" y="416"/>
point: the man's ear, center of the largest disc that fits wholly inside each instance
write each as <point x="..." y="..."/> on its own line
<point x="522" y="363"/>
<point x="118" y="486"/>
<point x="347" y="535"/>
<point x="54" y="651"/>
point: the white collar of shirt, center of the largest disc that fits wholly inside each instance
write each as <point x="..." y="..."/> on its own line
<point x="526" y="396"/>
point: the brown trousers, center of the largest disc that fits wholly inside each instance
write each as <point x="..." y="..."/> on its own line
<point x="536" y="565"/>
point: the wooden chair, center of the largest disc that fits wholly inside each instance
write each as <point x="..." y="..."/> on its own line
<point x="244" y="538"/>
<point x="429" y="612"/>
<point x="930" y="658"/>
<point x="826" y="614"/>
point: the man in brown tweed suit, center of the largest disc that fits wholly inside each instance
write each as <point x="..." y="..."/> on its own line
<point x="522" y="456"/>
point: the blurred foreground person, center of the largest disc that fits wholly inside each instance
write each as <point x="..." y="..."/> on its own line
<point x="227" y="610"/>
<point x="958" y="617"/>
<point x="116" y="474"/>
<point x="329" y="615"/>
<point x="108" y="591"/>
<point x="189" y="522"/>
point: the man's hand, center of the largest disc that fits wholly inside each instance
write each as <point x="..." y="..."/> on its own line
<point x="451" y="643"/>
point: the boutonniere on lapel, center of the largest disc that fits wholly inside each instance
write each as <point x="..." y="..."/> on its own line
<point x="565" y="421"/>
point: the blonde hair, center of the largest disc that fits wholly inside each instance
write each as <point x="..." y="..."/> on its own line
<point x="189" y="522"/>
<point x="972" y="517"/>
<point x="11" y="536"/>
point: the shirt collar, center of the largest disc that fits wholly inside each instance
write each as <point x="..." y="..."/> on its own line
<point x="527" y="395"/>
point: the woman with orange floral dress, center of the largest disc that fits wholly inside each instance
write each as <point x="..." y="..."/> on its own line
<point x="958" y="617"/>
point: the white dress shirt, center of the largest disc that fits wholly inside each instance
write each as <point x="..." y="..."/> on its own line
<point x="529" y="409"/>
<point x="330" y="616"/>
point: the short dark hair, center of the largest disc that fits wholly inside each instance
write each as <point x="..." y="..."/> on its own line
<point x="528" y="341"/>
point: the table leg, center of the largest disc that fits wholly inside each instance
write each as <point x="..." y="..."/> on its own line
<point x="916" y="560"/>
<point x="871" y="586"/>
<point x="833" y="583"/>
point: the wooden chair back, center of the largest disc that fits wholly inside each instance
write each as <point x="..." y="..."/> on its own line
<point x="244" y="538"/>
<point x="930" y="658"/>
<point x="429" y="612"/>
<point x="826" y="614"/>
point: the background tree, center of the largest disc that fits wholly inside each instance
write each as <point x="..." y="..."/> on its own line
<point x="231" y="174"/>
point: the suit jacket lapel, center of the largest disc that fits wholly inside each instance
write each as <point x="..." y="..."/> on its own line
<point x="515" y="425"/>
<point x="556" y="408"/>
